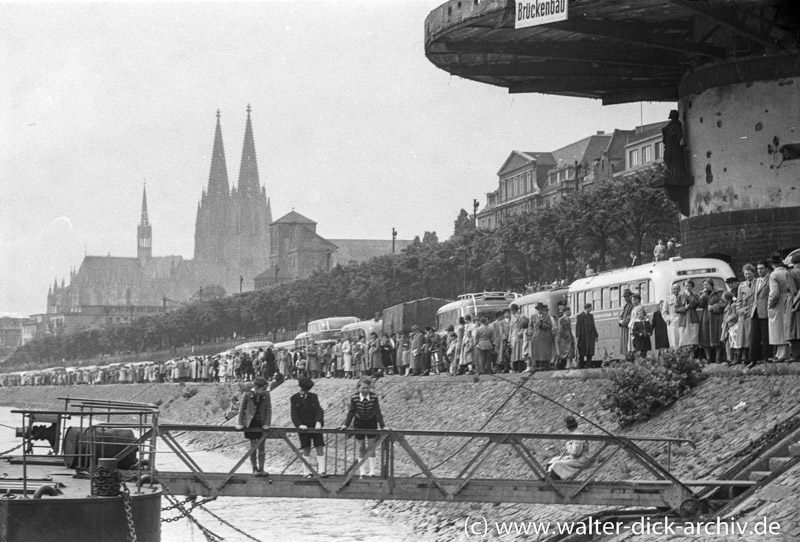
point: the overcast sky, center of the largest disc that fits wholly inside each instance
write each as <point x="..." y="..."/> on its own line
<point x="354" y="127"/>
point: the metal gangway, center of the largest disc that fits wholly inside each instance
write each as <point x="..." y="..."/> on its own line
<point x="405" y="475"/>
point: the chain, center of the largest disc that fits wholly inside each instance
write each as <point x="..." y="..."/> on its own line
<point x="126" y="502"/>
<point x="11" y="450"/>
<point x="224" y="522"/>
<point x="176" y="505"/>
<point x="187" y="513"/>
<point x="105" y="482"/>
<point x="210" y="535"/>
<point x="184" y="512"/>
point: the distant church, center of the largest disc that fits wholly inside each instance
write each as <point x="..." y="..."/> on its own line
<point x="236" y="246"/>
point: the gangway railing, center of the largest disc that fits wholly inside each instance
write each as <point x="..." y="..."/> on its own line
<point x="404" y="473"/>
<point x="80" y="444"/>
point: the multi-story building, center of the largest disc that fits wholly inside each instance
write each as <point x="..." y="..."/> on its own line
<point x="532" y="180"/>
<point x="644" y="149"/>
<point x="15" y="331"/>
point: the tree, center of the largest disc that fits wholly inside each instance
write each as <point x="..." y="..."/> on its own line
<point x="208" y="292"/>
<point x="594" y="212"/>
<point x="644" y="214"/>
<point x="463" y="223"/>
<point x="430" y="238"/>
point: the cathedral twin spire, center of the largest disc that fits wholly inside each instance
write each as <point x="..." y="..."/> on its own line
<point x="218" y="176"/>
<point x="248" y="171"/>
<point x="233" y="223"/>
<point x="249" y="184"/>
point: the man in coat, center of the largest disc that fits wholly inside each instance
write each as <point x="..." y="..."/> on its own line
<point x="793" y="331"/>
<point x="624" y="321"/>
<point x="307" y="413"/>
<point x="484" y="346"/>
<point x="712" y="303"/>
<point x="745" y="297"/>
<point x="779" y="303"/>
<point x="542" y="343"/>
<point x="759" y="317"/>
<point x="500" y="326"/>
<point x="417" y="343"/>
<point x="586" y="335"/>
<point x="516" y="337"/>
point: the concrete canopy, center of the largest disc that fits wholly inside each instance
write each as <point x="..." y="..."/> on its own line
<point x="613" y="50"/>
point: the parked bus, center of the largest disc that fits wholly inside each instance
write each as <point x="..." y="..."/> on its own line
<point x="285" y="345"/>
<point x="324" y="329"/>
<point x="475" y="305"/>
<point x="362" y="329"/>
<point x="329" y="328"/>
<point x="301" y="340"/>
<point x="652" y="281"/>
<point x="555" y="299"/>
<point x="253" y="346"/>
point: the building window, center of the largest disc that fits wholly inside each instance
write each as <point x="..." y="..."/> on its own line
<point x="659" y="150"/>
<point x="646" y="158"/>
<point x="633" y="158"/>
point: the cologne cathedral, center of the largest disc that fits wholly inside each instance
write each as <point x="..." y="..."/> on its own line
<point x="232" y="246"/>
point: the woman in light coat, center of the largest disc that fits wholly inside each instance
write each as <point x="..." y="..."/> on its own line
<point x="778" y="307"/>
<point x="688" y="319"/>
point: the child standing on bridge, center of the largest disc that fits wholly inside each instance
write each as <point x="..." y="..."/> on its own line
<point x="255" y="412"/>
<point x="365" y="413"/>
<point x="307" y="413"/>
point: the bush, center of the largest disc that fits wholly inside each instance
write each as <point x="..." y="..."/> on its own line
<point x="642" y="387"/>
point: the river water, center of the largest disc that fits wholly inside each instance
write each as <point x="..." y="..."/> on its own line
<point x="309" y="520"/>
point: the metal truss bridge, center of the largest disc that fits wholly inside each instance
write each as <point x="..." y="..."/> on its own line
<point x="405" y="475"/>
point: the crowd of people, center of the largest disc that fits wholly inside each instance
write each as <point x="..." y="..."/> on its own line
<point x="749" y="321"/>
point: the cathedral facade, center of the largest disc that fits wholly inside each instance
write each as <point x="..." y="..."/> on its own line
<point x="232" y="227"/>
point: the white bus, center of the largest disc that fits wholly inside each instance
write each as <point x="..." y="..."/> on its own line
<point x="475" y="305"/>
<point x="362" y="329"/>
<point x="653" y="281"/>
<point x="555" y="299"/>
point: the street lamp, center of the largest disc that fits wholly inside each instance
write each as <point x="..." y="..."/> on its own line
<point x="464" y="273"/>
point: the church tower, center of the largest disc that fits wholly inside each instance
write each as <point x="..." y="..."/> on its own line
<point x="213" y="225"/>
<point x="144" y="249"/>
<point x="251" y="213"/>
<point x="232" y="229"/>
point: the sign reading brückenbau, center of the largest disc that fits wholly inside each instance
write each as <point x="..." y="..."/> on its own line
<point x="540" y="12"/>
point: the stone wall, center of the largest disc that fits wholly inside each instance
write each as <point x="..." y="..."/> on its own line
<point x="744" y="236"/>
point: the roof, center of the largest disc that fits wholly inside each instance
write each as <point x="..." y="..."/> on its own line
<point x="620" y="51"/>
<point x="586" y="150"/>
<point x="646" y="132"/>
<point x="294" y="217"/>
<point x="542" y="158"/>
<point x="363" y="250"/>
